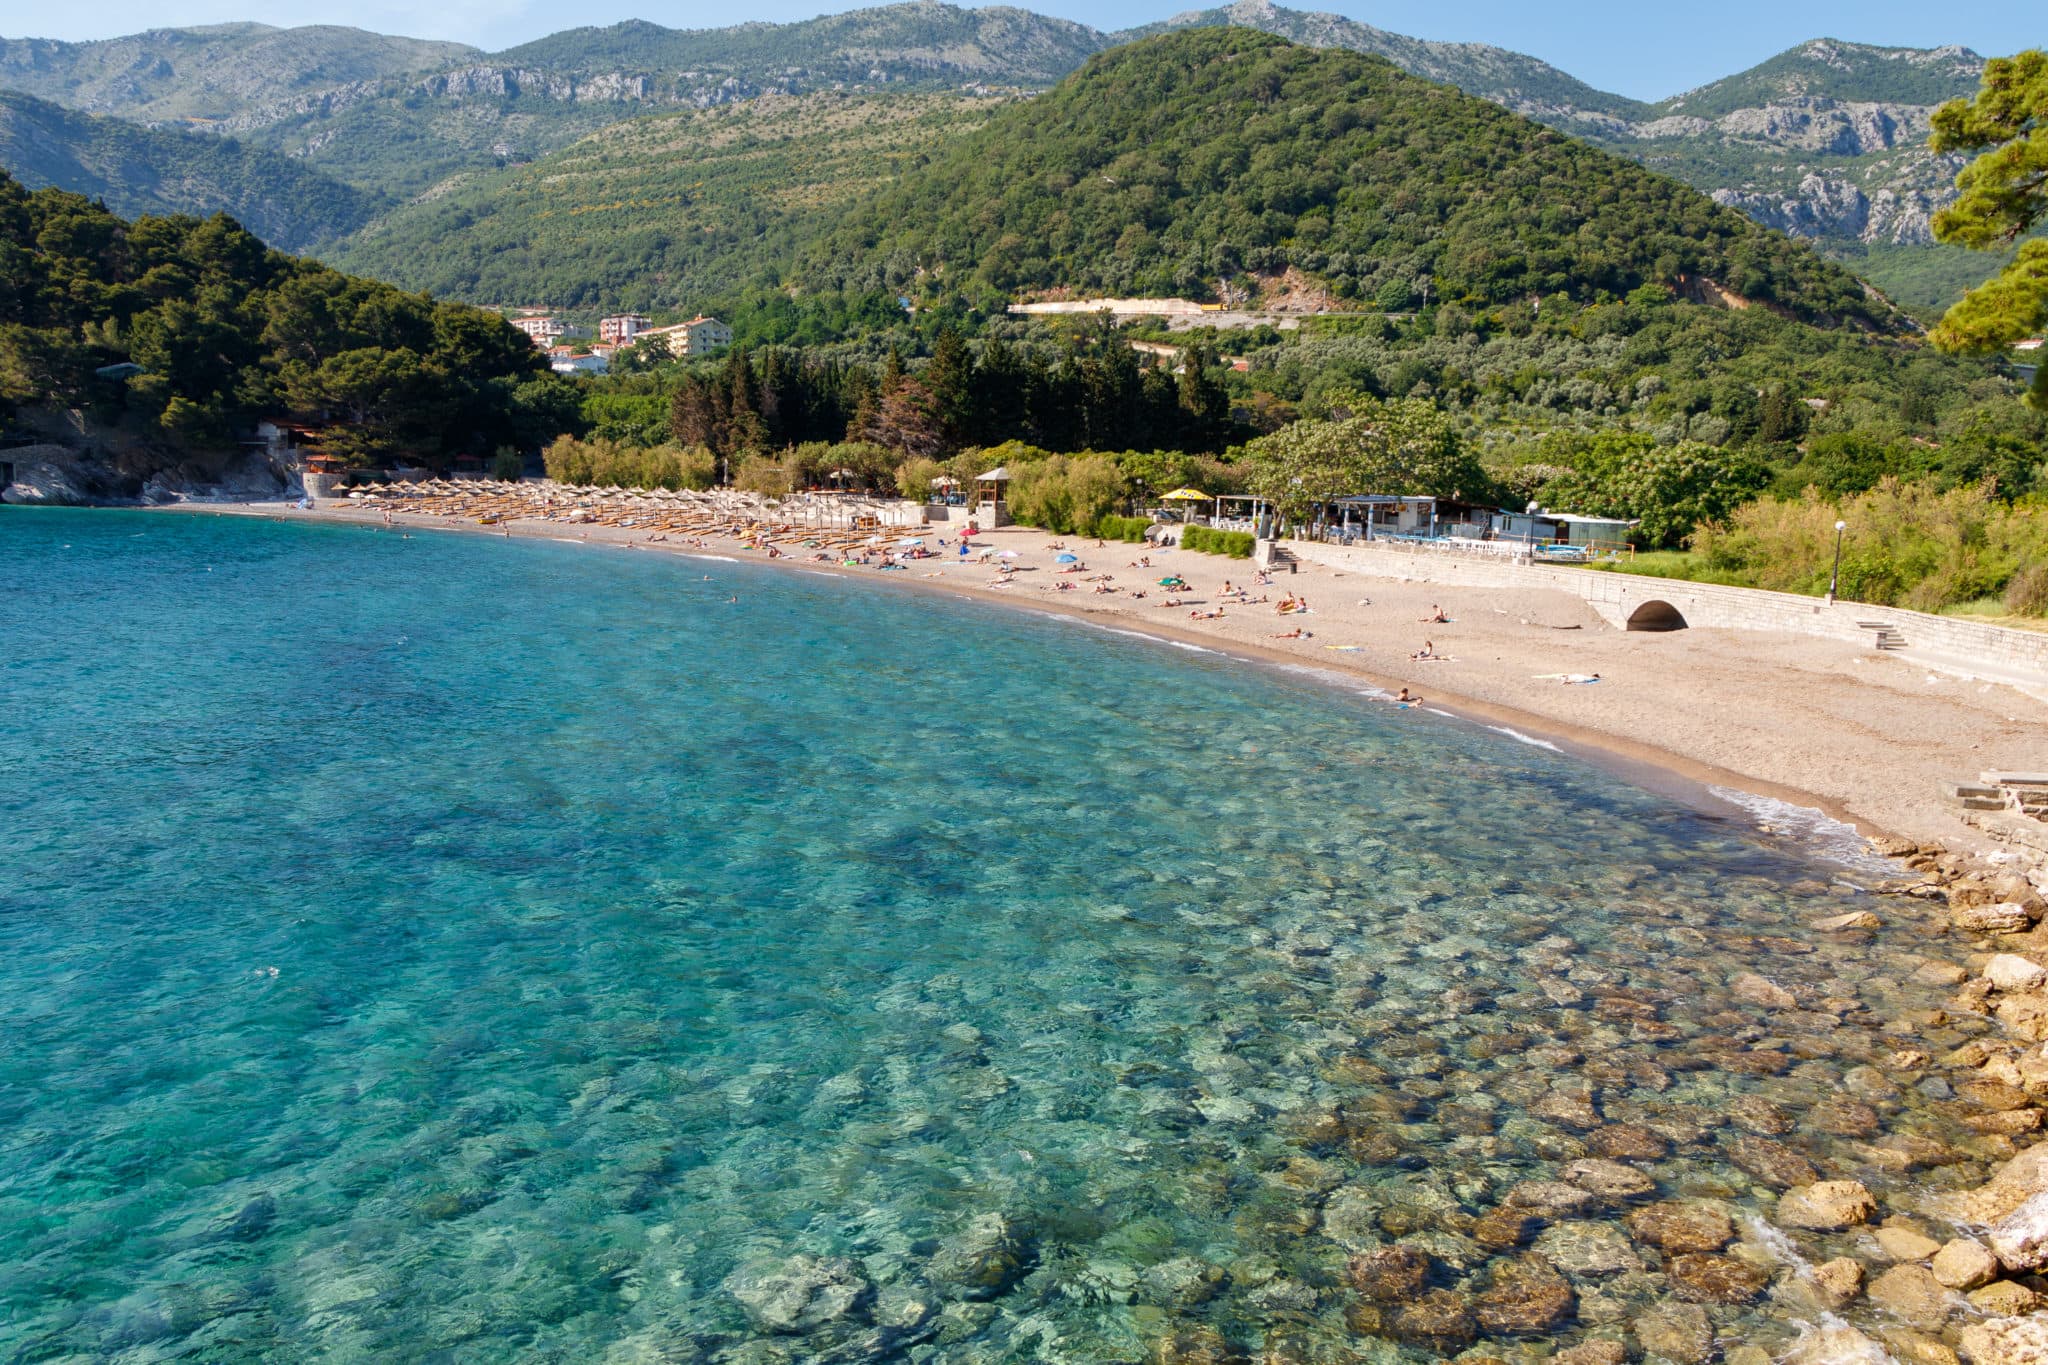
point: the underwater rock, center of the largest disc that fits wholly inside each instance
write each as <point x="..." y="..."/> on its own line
<point x="1964" y="1264"/>
<point x="1608" y="1178"/>
<point x="1675" y="1227"/>
<point x="1676" y="1332"/>
<point x="982" y="1259"/>
<point x="1840" y="1116"/>
<point x="1628" y="1142"/>
<point x="1834" y="1343"/>
<point x="801" y="1294"/>
<point x="1755" y="1114"/>
<point x="1505" y="1227"/>
<point x="1759" y="991"/>
<point x="1596" y="1352"/>
<point x="1854" y="919"/>
<point x="1588" y="1249"/>
<point x="1182" y="1282"/>
<point x="1906" y="1244"/>
<point x="1772" y="1162"/>
<point x="1552" y="1199"/>
<point x="2007" y="1341"/>
<point x="246" y="1223"/>
<point x="1194" y="1346"/>
<point x="1837" y="1283"/>
<point x="1438" y="1320"/>
<point x="1388" y="1275"/>
<point x="1827" y="1206"/>
<point x="1702" y="1277"/>
<point x="1571" y="1108"/>
<point x="1525" y="1296"/>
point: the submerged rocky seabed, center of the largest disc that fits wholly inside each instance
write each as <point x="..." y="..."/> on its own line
<point x="932" y="985"/>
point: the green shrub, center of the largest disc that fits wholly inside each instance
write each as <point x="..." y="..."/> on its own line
<point x="1207" y="540"/>
<point x="2026" y="593"/>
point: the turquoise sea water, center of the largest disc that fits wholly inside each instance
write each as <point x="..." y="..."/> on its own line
<point x="440" y="948"/>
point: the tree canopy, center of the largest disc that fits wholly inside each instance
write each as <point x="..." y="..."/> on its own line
<point x="226" y="330"/>
<point x="2004" y="193"/>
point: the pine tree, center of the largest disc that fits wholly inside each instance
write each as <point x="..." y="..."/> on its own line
<point x="2004" y="194"/>
<point x="948" y="378"/>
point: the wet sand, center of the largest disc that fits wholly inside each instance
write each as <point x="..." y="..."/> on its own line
<point x="1861" y="735"/>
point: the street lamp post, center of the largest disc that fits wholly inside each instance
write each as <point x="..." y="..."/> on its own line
<point x="1835" y="575"/>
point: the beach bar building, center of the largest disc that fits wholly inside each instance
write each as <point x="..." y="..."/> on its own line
<point x="990" y="508"/>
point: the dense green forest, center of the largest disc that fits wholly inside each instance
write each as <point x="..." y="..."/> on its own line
<point x="139" y="170"/>
<point x="662" y="212"/>
<point x="1172" y="164"/>
<point x="226" y="330"/>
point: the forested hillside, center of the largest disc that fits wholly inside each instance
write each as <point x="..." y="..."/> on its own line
<point x="662" y="212"/>
<point x="139" y="170"/>
<point x="1199" y="157"/>
<point x="224" y="330"/>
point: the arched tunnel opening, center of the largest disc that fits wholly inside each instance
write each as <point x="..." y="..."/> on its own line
<point x="1656" y="616"/>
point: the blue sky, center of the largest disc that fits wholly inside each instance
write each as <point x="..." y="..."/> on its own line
<point x="1643" y="50"/>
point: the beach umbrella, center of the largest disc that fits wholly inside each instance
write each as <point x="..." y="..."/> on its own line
<point x="1007" y="554"/>
<point x="1185" y="495"/>
<point x="1067" y="559"/>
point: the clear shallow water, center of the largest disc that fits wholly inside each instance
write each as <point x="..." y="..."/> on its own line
<point x="440" y="948"/>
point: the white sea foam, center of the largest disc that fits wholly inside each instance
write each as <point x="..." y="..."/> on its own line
<point x="1192" y="649"/>
<point x="1434" y="712"/>
<point x="820" y="573"/>
<point x="1821" y="833"/>
<point x="1526" y="739"/>
<point x="722" y="559"/>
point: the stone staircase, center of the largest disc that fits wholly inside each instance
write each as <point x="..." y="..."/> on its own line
<point x="2023" y="793"/>
<point x="1280" y="559"/>
<point x="1888" y="636"/>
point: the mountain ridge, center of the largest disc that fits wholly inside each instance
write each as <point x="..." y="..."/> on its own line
<point x="1784" y="141"/>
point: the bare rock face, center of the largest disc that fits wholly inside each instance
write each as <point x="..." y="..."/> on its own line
<point x="1965" y="1264"/>
<point x="1828" y="1206"/>
<point x="2020" y="1239"/>
<point x="2007" y="1341"/>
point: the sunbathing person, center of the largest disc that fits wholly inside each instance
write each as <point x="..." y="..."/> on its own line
<point x="1296" y="634"/>
<point x="1428" y="651"/>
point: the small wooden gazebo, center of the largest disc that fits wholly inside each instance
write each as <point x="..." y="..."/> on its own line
<point x="988" y="496"/>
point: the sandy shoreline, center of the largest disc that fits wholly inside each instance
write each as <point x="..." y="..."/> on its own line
<point x="1861" y="736"/>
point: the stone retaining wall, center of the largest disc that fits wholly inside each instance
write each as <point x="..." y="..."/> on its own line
<point x="1617" y="597"/>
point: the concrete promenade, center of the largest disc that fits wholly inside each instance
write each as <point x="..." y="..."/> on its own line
<point x="1636" y="602"/>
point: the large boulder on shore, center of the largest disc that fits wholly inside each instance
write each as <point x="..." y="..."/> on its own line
<point x="2007" y="1341"/>
<point x="2020" y="1239"/>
